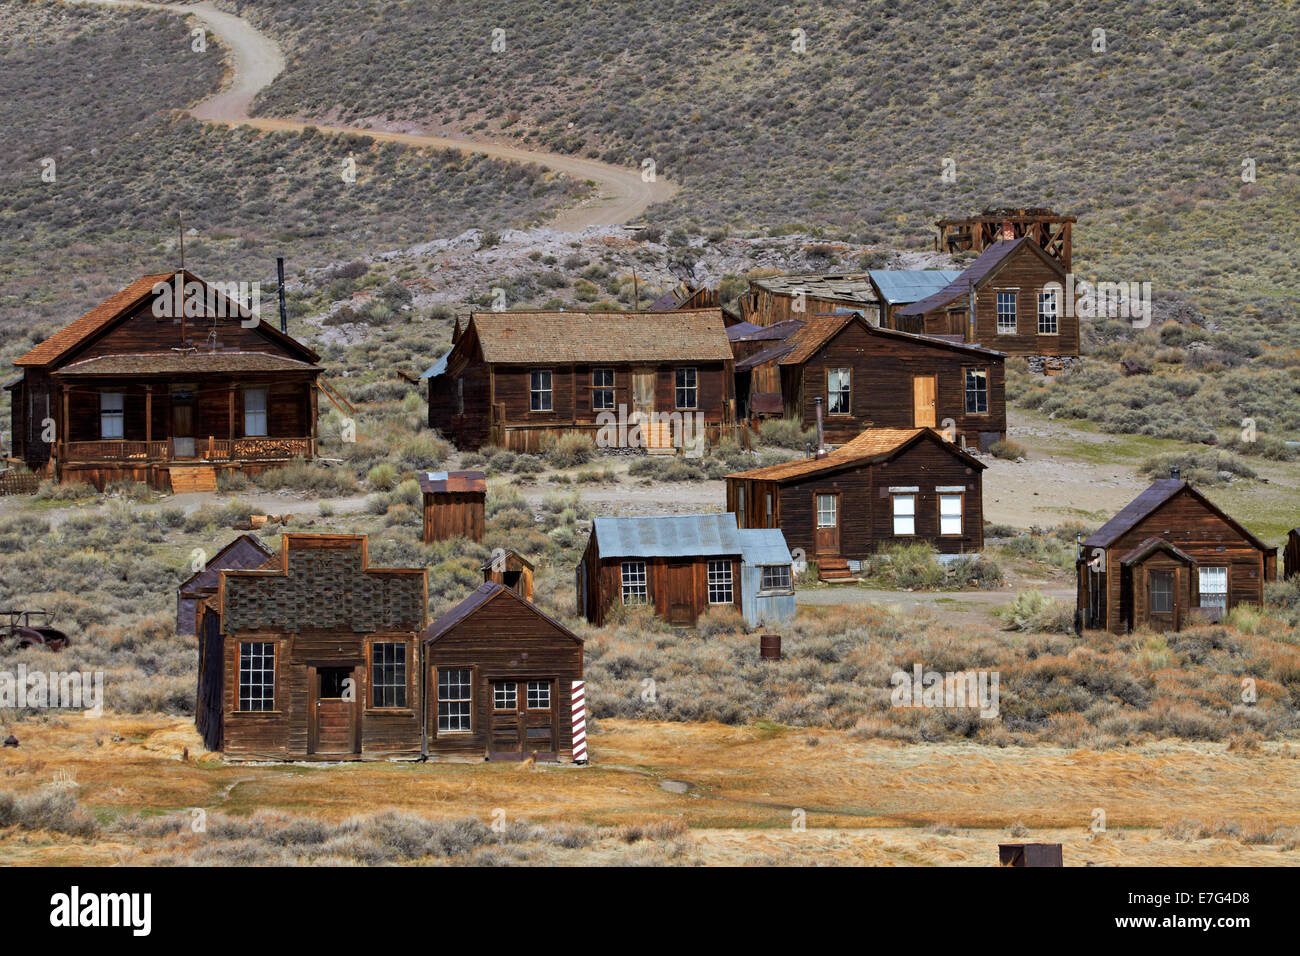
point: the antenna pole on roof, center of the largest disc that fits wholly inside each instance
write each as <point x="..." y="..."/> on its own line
<point x="284" y="312"/>
<point x="636" y="293"/>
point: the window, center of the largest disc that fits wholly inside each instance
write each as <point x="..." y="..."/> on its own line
<point x="838" y="391"/>
<point x="110" y="415"/>
<point x="977" y="391"/>
<point x="539" y="695"/>
<point x="950" y="514"/>
<point x="1160" y="591"/>
<point x="539" y="390"/>
<point x="388" y="674"/>
<point x="1214" y="587"/>
<point x="775" y="577"/>
<point x="767" y="510"/>
<point x="827" y="505"/>
<point x="460" y="396"/>
<point x="455" y="699"/>
<point x="688" y="388"/>
<point x="720" y="583"/>
<point x="1047" y="314"/>
<point x="254" y="412"/>
<point x="634" y="587"/>
<point x="904" y="514"/>
<point x="740" y="506"/>
<point x="257" y="676"/>
<point x="602" y="388"/>
<point x="505" y="695"/>
<point x="1006" y="313"/>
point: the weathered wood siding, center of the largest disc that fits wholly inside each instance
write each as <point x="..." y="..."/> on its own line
<point x="678" y="587"/>
<point x="453" y="514"/>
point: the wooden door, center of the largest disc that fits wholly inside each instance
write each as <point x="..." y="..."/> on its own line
<point x="524" y="719"/>
<point x="925" y="390"/>
<point x="1162" y="604"/>
<point x="183" y="424"/>
<point x="333" y="714"/>
<point x="826" y="515"/>
<point x="681" y="595"/>
<point x="643" y="393"/>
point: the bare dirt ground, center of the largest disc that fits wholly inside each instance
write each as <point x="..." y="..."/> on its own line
<point x="739" y="789"/>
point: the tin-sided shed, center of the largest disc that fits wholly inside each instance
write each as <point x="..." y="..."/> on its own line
<point x="454" y="504"/>
<point x="245" y="551"/>
<point x="766" y="577"/>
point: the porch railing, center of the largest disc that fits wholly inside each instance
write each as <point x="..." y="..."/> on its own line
<point x="205" y="449"/>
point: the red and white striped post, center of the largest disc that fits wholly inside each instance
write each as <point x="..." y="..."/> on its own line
<point x="579" y="721"/>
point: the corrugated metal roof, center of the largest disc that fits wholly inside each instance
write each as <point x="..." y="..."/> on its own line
<point x="764" y="546"/>
<point x="741" y="329"/>
<point x="911" y="285"/>
<point x="437" y="368"/>
<point x="974" y="273"/>
<point x="777" y="331"/>
<point x="436" y="482"/>
<point x="667" y="536"/>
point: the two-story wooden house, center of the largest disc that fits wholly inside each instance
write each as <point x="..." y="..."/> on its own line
<point x="166" y="382"/>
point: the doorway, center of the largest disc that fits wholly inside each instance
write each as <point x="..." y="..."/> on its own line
<point x="925" y="389"/>
<point x="524" y="720"/>
<point x="182" y="422"/>
<point x="333" y="711"/>
<point x="827" y="538"/>
<point x="681" y="592"/>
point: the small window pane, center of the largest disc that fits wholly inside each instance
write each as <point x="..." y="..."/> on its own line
<point x="720" y="583"/>
<point x="505" y="695"/>
<point x="904" y="514"/>
<point x="539" y="695"/>
<point x="687" y="388"/>
<point x="1047" y="315"/>
<point x="977" y="391"/>
<point x="1161" y="585"/>
<point x="1006" y="312"/>
<point x="254" y="412"/>
<point x="950" y="514"/>
<point x="454" y="698"/>
<point x="1214" y="587"/>
<point x="111" y="418"/>
<point x="838" y="391"/>
<point x="634" y="583"/>
<point x="257" y="676"/>
<point x="826" y="508"/>
<point x="388" y="675"/>
<point x="602" y="388"/>
<point x="539" y="391"/>
<point x="775" y="577"/>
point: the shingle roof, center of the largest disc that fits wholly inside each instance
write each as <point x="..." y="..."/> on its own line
<point x="244" y="551"/>
<point x="813" y="334"/>
<point x="667" y="536"/>
<point x="560" y="337"/>
<point x="974" y="273"/>
<point x="911" y="285"/>
<point x="874" y="444"/>
<point x="163" y="363"/>
<point x="1161" y="490"/>
<point x="846" y="286"/>
<point x="436" y="482"/>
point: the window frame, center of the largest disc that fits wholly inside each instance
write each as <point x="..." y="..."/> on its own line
<point x="439" y="699"/>
<point x="842" y="391"/>
<point x="979" y="372"/>
<point x="1013" y="294"/>
<point x="894" y="499"/>
<point x="835" y="509"/>
<point x="265" y="411"/>
<point x="693" y="388"/>
<point x="513" y="691"/>
<point x="639" y="567"/>
<point x="720" y="577"/>
<point x="1165" y="576"/>
<point x="536" y="391"/>
<point x="603" y="390"/>
<point x="404" y="686"/>
<point x="117" y="415"/>
<point x="1200" y="588"/>
<point x="268" y="648"/>
<point x="961" y="513"/>
<point x="1055" y="313"/>
<point x="765" y="587"/>
<point x="528" y="695"/>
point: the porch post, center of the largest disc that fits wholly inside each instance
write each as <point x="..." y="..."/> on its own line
<point x="230" y="415"/>
<point x="62" y="442"/>
<point x="313" y="411"/>
<point x="148" y="416"/>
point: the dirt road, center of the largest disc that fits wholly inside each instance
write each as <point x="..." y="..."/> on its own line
<point x="256" y="60"/>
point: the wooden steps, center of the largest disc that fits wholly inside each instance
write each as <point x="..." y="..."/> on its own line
<point x="191" y="478"/>
<point x="833" y="570"/>
<point x="658" y="438"/>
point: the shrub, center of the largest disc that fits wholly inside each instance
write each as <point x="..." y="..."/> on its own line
<point x="786" y="433"/>
<point x="1034" y="611"/>
<point x="568" y="450"/>
<point x="1008" y="450"/>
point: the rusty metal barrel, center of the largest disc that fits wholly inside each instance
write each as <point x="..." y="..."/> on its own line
<point x="769" y="647"/>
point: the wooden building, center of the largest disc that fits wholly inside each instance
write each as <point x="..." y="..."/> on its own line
<point x="1292" y="565"/>
<point x="887" y="486"/>
<point x="512" y="570"/>
<point x="896" y="288"/>
<point x="166" y="382"/>
<point x="869" y="377"/>
<point x="454" y="504"/>
<point x="681" y="565"/>
<point x="313" y="655"/>
<point x="776" y="299"/>
<point x="499" y="676"/>
<point x="513" y="378"/>
<point x="245" y="551"/>
<point x="1050" y="232"/>
<point x="1005" y="300"/>
<point x="1169" y="558"/>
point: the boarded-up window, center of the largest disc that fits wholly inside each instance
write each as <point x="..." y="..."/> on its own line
<point x="977" y="391"/>
<point x="110" y="415"/>
<point x="1007" y="313"/>
<point x="257" y="675"/>
<point x="904" y="514"/>
<point x="634" y="585"/>
<point x="254" y="412"/>
<point x="388" y="675"/>
<point x="602" y="388"/>
<point x="455" y="699"/>
<point x="1048" y="317"/>
<point x="539" y="390"/>
<point x="688" y="388"/>
<point x="838" y="391"/>
<point x="1161" y="592"/>
<point x="1214" y="587"/>
<point x="720" y="583"/>
<point x="950" y="514"/>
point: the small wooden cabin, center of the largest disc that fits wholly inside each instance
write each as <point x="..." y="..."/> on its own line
<point x="896" y="288"/>
<point x="887" y="486"/>
<point x="313" y="656"/>
<point x="1170" y="557"/>
<point x="512" y="570"/>
<point x="1292" y="564"/>
<point x="1001" y="301"/>
<point x="1050" y="231"/>
<point x="868" y="377"/>
<point x="500" y="677"/>
<point x="167" y="382"/>
<point x="454" y="504"/>
<point x="515" y="379"/>
<point x="776" y="299"/>
<point x="245" y="551"/>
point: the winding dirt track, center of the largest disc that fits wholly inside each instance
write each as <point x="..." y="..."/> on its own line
<point x="256" y="60"/>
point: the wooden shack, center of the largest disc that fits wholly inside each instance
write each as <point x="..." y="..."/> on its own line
<point x="500" y="676"/>
<point x="454" y="504"/>
<point x="169" y="382"/>
<point x="1169" y="558"/>
<point x="1011" y="298"/>
<point x="512" y="570"/>
<point x="886" y="486"/>
<point x="1051" y="232"/>
<point x="313" y="656"/>
<point x="774" y="299"/>
<point x="519" y="379"/>
<point x="245" y="551"/>
<point x="1292" y="553"/>
<point x="868" y="377"/>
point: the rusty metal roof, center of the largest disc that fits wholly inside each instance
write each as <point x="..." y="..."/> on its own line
<point x="563" y="337"/>
<point x="874" y="444"/>
<point x="439" y="482"/>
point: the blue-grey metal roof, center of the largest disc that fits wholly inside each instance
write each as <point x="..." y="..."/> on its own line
<point x="911" y="285"/>
<point x="764" y="546"/>
<point x="667" y="536"/>
<point x="437" y="368"/>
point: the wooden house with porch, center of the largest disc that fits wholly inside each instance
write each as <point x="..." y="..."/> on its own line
<point x="513" y="379"/>
<point x="857" y="375"/>
<point x="1171" y="557"/>
<point x="887" y="486"/>
<point x="166" y="382"/>
<point x="499" y="679"/>
<point x="1011" y="299"/>
<point x="313" y="655"/>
